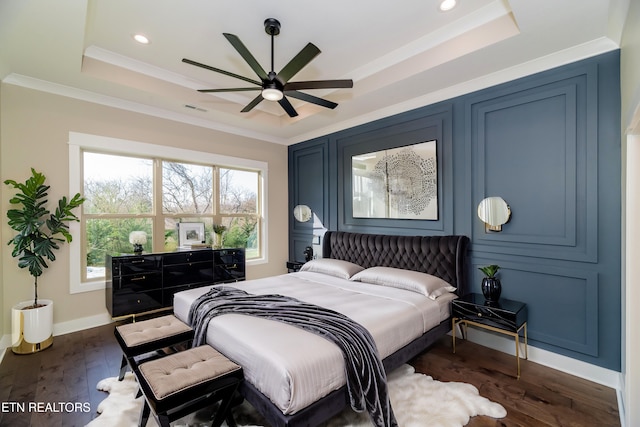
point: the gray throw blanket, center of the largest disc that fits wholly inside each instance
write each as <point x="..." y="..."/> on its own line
<point x="366" y="379"/>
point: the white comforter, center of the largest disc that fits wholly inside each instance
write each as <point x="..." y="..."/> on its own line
<point x="295" y="368"/>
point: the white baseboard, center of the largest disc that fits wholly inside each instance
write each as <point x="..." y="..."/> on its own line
<point x="566" y="364"/>
<point x="63" y="328"/>
<point x="81" y="324"/>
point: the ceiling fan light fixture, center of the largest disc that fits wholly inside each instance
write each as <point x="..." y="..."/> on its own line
<point x="272" y="94"/>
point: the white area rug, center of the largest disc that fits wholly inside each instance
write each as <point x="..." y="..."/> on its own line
<point x="417" y="400"/>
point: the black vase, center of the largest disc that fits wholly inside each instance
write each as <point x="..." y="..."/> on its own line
<point x="491" y="289"/>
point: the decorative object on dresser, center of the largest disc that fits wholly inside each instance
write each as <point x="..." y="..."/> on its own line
<point x="138" y="239"/>
<point x="39" y="234"/>
<point x="137" y="284"/>
<point x="190" y="234"/>
<point x="506" y="317"/>
<point x="218" y="235"/>
<point x="491" y="286"/>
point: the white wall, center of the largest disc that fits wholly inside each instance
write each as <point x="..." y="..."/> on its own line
<point x="34" y="132"/>
<point x="630" y="97"/>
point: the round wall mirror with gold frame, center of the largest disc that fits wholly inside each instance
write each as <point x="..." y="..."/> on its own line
<point x="302" y="213"/>
<point x="494" y="212"/>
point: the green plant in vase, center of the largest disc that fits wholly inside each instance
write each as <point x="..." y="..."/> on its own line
<point x="491" y="286"/>
<point x="218" y="230"/>
<point x="39" y="233"/>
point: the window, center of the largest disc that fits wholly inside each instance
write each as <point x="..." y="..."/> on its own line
<point x="137" y="191"/>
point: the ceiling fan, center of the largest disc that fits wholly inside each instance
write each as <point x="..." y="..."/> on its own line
<point x="272" y="86"/>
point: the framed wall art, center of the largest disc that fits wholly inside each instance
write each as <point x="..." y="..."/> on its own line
<point x="398" y="183"/>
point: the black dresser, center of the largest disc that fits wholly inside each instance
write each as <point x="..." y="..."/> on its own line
<point x="138" y="284"/>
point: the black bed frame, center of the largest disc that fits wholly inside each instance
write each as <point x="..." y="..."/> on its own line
<point x="442" y="256"/>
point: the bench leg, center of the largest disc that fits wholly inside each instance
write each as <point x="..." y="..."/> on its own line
<point x="144" y="414"/>
<point x="224" y="410"/>
<point x="231" y="422"/>
<point x="163" y="420"/>
<point x="123" y="368"/>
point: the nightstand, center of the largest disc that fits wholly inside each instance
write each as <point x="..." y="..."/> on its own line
<point x="507" y="317"/>
<point x="294" y="266"/>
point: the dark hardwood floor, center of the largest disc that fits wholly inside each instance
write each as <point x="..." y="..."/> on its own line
<point x="67" y="373"/>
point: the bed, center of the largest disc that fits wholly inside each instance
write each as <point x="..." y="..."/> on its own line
<point x="295" y="378"/>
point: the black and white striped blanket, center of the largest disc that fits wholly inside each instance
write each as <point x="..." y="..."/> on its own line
<point x="366" y="378"/>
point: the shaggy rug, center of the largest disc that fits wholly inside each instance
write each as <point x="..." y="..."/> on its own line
<point x="417" y="400"/>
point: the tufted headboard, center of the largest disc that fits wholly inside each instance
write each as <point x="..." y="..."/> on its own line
<point x="442" y="256"/>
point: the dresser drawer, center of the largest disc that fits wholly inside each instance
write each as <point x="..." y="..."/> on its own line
<point x="228" y="273"/>
<point x="228" y="265"/>
<point x="188" y="257"/>
<point x="136" y="265"/>
<point x="139" y="281"/>
<point x="228" y="256"/>
<point x="195" y="273"/>
<point x="130" y="301"/>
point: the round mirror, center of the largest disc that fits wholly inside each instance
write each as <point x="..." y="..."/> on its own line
<point x="494" y="212"/>
<point x="302" y="213"/>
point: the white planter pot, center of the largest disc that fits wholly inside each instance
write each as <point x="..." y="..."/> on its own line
<point x="31" y="329"/>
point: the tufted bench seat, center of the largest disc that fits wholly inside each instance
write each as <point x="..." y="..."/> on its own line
<point x="183" y="382"/>
<point x="139" y="338"/>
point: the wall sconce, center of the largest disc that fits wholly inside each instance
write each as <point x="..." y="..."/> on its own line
<point x="302" y="213"/>
<point x="494" y="212"/>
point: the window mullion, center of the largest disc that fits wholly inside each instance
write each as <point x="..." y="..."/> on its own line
<point x="158" y="214"/>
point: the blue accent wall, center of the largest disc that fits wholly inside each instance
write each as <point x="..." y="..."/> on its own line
<point x="549" y="144"/>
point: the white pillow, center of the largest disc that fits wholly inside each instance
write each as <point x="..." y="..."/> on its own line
<point x="422" y="283"/>
<point x="332" y="267"/>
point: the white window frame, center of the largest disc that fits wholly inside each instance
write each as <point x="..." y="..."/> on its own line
<point x="82" y="141"/>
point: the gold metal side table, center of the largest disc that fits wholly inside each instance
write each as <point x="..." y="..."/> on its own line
<point x="506" y="317"/>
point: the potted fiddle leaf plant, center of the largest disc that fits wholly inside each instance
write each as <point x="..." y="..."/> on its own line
<point x="39" y="233"/>
<point x="491" y="286"/>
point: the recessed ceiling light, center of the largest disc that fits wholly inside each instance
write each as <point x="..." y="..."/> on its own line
<point x="446" y="5"/>
<point x="140" y="38"/>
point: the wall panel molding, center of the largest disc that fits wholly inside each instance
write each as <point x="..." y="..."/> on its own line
<point x="571" y="294"/>
<point x="309" y="165"/>
<point x="424" y="125"/>
<point x="549" y="144"/>
<point x="535" y="148"/>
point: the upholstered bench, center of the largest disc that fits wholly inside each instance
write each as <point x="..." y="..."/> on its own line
<point x="184" y="382"/>
<point x="147" y="336"/>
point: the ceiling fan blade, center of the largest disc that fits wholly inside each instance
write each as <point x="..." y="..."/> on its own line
<point x="235" y="89"/>
<point x="319" y="84"/>
<point x="286" y="105"/>
<point x="305" y="56"/>
<point x="246" y="55"/>
<point x="252" y="104"/>
<point x="218" y="70"/>
<point x="310" y="98"/>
